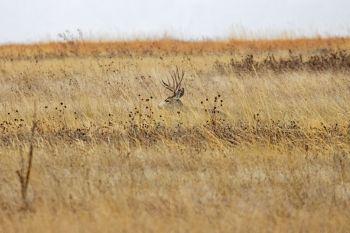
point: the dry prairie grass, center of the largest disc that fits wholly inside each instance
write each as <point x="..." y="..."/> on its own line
<point x="169" y="47"/>
<point x="106" y="159"/>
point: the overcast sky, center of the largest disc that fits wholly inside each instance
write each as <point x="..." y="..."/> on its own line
<point x="33" y="20"/>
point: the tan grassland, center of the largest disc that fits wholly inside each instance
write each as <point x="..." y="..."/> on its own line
<point x="275" y="157"/>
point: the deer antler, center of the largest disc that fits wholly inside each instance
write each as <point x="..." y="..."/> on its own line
<point x="177" y="77"/>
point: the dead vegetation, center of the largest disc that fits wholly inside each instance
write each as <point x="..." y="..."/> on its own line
<point x="262" y="143"/>
<point x="333" y="61"/>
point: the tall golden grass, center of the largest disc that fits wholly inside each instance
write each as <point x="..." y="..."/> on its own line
<point x="167" y="46"/>
<point x="106" y="159"/>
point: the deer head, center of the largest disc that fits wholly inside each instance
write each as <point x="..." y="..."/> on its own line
<point x="175" y="87"/>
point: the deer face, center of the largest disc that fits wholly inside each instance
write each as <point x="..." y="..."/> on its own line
<point x="175" y="88"/>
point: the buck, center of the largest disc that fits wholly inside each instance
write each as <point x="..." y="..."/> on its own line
<point x="176" y="89"/>
<point x="173" y="102"/>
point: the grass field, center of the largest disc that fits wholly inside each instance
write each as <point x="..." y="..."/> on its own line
<point x="275" y="157"/>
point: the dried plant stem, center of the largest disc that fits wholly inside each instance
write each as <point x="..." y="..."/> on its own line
<point x="24" y="173"/>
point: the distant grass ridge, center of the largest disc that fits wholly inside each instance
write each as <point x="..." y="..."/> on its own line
<point x="165" y="47"/>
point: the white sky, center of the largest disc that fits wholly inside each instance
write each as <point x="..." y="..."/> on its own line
<point x="33" y="20"/>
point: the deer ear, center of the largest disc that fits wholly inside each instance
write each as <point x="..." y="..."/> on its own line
<point x="180" y="93"/>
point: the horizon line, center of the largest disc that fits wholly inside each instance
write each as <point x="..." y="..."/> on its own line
<point x="167" y="37"/>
